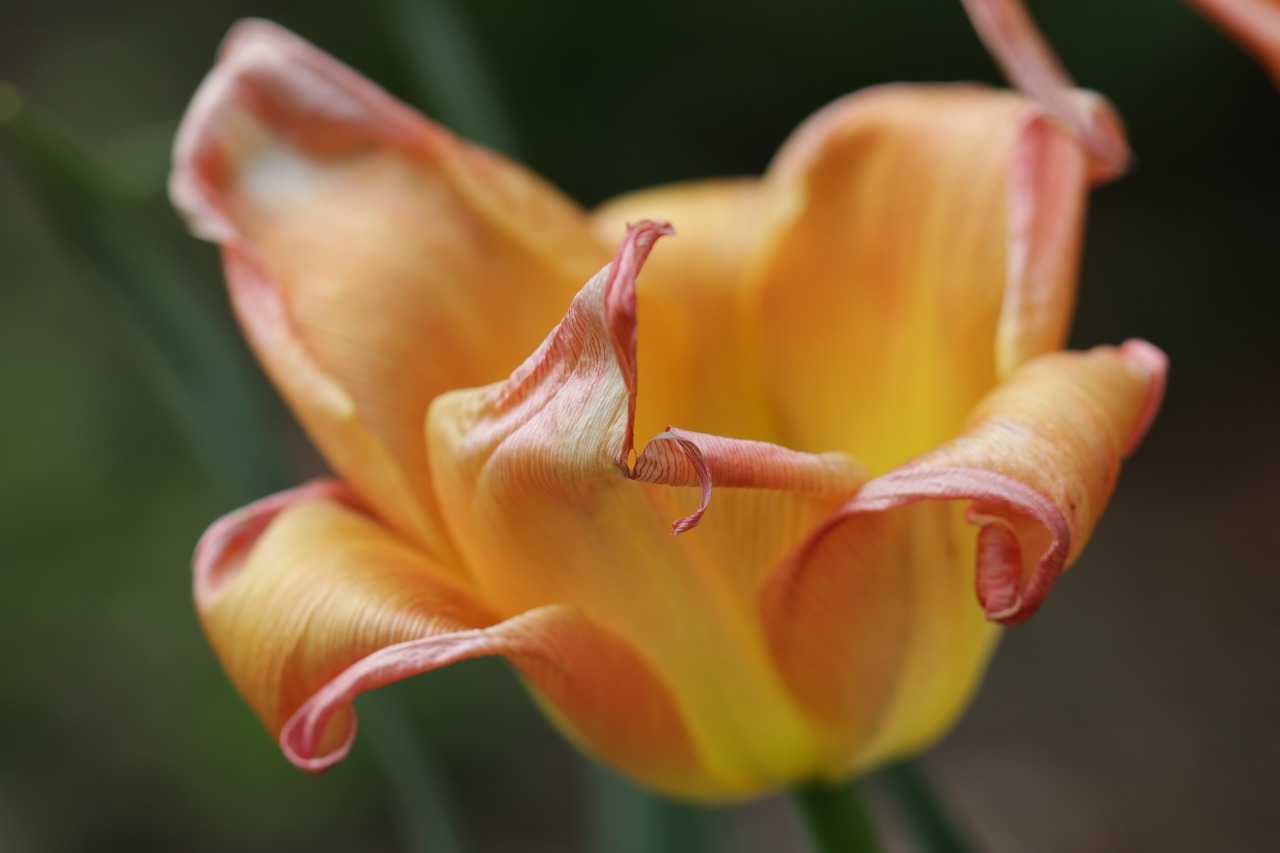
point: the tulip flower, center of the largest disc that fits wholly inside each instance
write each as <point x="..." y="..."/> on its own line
<point x="744" y="506"/>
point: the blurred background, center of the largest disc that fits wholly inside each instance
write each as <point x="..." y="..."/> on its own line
<point x="1136" y="712"/>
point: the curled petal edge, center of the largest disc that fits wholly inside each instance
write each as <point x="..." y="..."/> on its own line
<point x="586" y="678"/>
<point x="1001" y="505"/>
<point x="225" y="545"/>
<point x="321" y="643"/>
<point x="1013" y="517"/>
<point x="260" y="52"/>
<point x="606" y="309"/>
<point x="1029" y="63"/>
<point x="1046" y="203"/>
<point x="1153" y="359"/>
<point x="620" y="312"/>
<point x="677" y="457"/>
<point x="304" y="731"/>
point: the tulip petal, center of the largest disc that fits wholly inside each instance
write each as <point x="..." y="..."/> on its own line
<point x="1253" y="23"/>
<point x="296" y="587"/>
<point x="374" y="260"/>
<point x="874" y="601"/>
<point x="1019" y="48"/>
<point x="678" y="457"/>
<point x="923" y="245"/>
<point x="1045" y="205"/>
<point x="222" y="550"/>
<point x="692" y="290"/>
<point x="540" y="493"/>
<point x="588" y="681"/>
<point x="308" y="602"/>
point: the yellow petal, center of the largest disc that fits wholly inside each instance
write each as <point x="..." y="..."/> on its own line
<point x="1253" y="23"/>
<point x="872" y="619"/>
<point x="541" y="496"/>
<point x="923" y="244"/>
<point x="308" y="602"/>
<point x="702" y="376"/>
<point x="374" y="260"/>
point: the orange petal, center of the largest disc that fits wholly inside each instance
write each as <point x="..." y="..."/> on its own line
<point x="1253" y="23"/>
<point x="1043" y="451"/>
<point x="1045" y="207"/>
<point x="880" y="604"/>
<point x="588" y="680"/>
<point x="677" y="457"/>
<point x="374" y="260"/>
<point x="875" y="604"/>
<point x="308" y="602"/>
<point x="541" y="496"/>
<point x="1017" y="45"/>
<point x="702" y="375"/>
<point x="296" y="587"/>
<point x="924" y="244"/>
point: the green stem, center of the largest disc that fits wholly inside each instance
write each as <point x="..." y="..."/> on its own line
<point x="424" y="816"/>
<point x="835" y="818"/>
<point x="197" y="364"/>
<point x="450" y="71"/>
<point x="922" y="811"/>
<point x="629" y="820"/>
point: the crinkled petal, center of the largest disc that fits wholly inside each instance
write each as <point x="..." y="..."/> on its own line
<point x="923" y="243"/>
<point x="693" y="292"/>
<point x="588" y="679"/>
<point x="1045" y="205"/>
<point x="878" y="601"/>
<point x="542" y="496"/>
<point x="309" y="602"/>
<point x="1018" y="47"/>
<point x="296" y="587"/>
<point x="374" y="260"/>
<point x="222" y="550"/>
<point x="1253" y="23"/>
<point x="677" y="457"/>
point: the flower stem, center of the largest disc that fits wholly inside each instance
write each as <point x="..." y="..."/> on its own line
<point x="422" y="811"/>
<point x="834" y="816"/>
<point x="921" y="810"/>
<point x="629" y="820"/>
<point x="196" y="363"/>
<point x="450" y="70"/>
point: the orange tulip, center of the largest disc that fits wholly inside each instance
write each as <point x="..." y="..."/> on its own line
<point x="848" y="372"/>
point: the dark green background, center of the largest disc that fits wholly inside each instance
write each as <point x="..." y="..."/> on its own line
<point x="1135" y="712"/>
